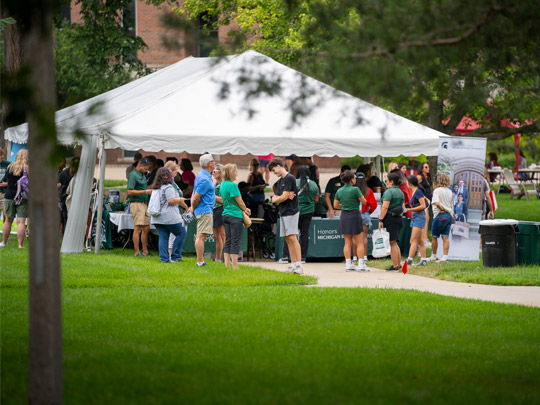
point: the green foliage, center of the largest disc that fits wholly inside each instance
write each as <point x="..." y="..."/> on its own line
<point x="99" y="54"/>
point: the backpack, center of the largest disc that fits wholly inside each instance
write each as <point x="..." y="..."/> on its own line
<point x="154" y="205"/>
<point x="22" y="188"/>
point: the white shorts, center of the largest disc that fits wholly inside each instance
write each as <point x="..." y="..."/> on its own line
<point x="289" y="225"/>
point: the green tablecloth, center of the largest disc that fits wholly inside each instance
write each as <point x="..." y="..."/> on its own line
<point x="325" y="241"/>
<point x="210" y="244"/>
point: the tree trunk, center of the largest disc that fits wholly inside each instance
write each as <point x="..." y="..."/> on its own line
<point x="45" y="383"/>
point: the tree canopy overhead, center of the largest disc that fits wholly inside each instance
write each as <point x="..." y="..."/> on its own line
<point x="433" y="61"/>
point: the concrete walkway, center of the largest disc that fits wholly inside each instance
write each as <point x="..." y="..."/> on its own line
<point x="334" y="275"/>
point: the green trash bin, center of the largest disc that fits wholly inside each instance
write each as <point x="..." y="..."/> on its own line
<point x="528" y="242"/>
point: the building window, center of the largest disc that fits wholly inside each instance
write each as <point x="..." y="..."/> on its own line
<point x="129" y="18"/>
<point x="129" y="153"/>
<point x="208" y="34"/>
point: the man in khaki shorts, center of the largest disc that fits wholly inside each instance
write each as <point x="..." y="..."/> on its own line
<point x="137" y="190"/>
<point x="202" y="204"/>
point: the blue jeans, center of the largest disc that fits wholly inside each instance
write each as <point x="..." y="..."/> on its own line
<point x="164" y="230"/>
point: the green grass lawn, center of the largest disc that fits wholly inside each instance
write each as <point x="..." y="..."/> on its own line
<point x="136" y="331"/>
<point x="521" y="210"/>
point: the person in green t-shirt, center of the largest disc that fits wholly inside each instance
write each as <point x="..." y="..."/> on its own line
<point x="348" y="199"/>
<point x="308" y="195"/>
<point x="137" y="190"/>
<point x="218" y="228"/>
<point x="233" y="205"/>
<point x="333" y="185"/>
<point x="391" y="220"/>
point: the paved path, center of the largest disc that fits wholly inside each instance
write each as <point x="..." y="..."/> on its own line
<point x="334" y="275"/>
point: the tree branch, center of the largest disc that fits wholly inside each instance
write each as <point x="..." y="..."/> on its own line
<point x="498" y="133"/>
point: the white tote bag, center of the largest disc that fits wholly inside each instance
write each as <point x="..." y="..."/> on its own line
<point x="381" y="243"/>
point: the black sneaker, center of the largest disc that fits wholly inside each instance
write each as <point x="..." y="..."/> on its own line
<point x="393" y="269"/>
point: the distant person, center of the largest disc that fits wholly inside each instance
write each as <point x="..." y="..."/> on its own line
<point x="308" y="195"/>
<point x="392" y="199"/>
<point x="256" y="184"/>
<point x="493" y="164"/>
<point x="286" y="198"/>
<point x="138" y="192"/>
<point x="152" y="170"/>
<point x="70" y="191"/>
<point x="160" y="163"/>
<point x="169" y="221"/>
<point x="367" y="209"/>
<point x="3" y="182"/>
<point x="487" y="205"/>
<point x="188" y="176"/>
<point x="131" y="167"/>
<point x="417" y="206"/>
<point x="522" y="164"/>
<point x="333" y="185"/>
<point x="464" y="191"/>
<point x="461" y="212"/>
<point x="392" y="166"/>
<point x="442" y="215"/>
<point x="203" y="200"/>
<point x="424" y="179"/>
<point x="233" y="206"/>
<point x="348" y="199"/>
<point x="373" y="182"/>
<point x="172" y="165"/>
<point x="63" y="182"/>
<point x="218" y="227"/>
<point x="404" y="187"/>
<point x="264" y="161"/>
<point x="403" y="168"/>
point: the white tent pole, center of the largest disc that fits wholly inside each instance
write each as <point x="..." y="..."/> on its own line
<point x="101" y="186"/>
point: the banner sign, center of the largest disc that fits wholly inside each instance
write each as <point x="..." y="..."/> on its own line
<point x="463" y="159"/>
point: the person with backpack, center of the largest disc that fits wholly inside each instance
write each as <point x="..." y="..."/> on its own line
<point x="166" y="217"/>
<point x="16" y="198"/>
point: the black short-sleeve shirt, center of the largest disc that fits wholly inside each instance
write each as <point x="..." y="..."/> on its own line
<point x="288" y="207"/>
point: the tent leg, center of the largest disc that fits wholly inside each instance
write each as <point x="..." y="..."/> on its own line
<point x="101" y="187"/>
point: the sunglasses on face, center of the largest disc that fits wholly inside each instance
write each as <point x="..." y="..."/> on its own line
<point x="215" y="171"/>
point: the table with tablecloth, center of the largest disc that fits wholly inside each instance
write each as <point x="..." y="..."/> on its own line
<point x="325" y="241"/>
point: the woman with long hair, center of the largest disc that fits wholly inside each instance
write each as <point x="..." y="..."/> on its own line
<point x="390" y="217"/>
<point x="460" y="209"/>
<point x="182" y="206"/>
<point x="13" y="173"/>
<point x="367" y="208"/>
<point x="256" y="184"/>
<point x="348" y="199"/>
<point x="308" y="195"/>
<point x="218" y="227"/>
<point x="232" y="215"/>
<point x="417" y="206"/>
<point x="188" y="177"/>
<point x="424" y="179"/>
<point x="169" y="219"/>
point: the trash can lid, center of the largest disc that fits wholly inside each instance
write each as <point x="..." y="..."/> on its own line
<point x="498" y="222"/>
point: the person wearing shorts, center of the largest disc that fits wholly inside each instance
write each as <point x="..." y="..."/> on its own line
<point x="443" y="201"/>
<point x="418" y="221"/>
<point x="137" y="190"/>
<point x="286" y="198"/>
<point x="264" y="161"/>
<point x="392" y="198"/>
<point x="202" y="204"/>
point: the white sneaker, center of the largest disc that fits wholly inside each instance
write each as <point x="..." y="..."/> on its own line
<point x="290" y="269"/>
<point x="362" y="268"/>
<point x="298" y="270"/>
<point x="432" y="258"/>
<point x="350" y="267"/>
<point x="2" y="244"/>
<point x="283" y="261"/>
<point x="427" y="243"/>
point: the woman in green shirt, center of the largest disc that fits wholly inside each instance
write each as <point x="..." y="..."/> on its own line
<point x="390" y="216"/>
<point x="218" y="227"/>
<point x="348" y="199"/>
<point x="233" y="205"/>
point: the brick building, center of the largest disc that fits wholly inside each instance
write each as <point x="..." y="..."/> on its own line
<point x="148" y="25"/>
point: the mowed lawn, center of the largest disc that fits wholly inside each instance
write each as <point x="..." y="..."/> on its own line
<point x="136" y="331"/>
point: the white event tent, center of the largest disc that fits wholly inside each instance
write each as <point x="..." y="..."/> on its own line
<point x="215" y="105"/>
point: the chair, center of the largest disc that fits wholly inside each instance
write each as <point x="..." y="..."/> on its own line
<point x="515" y="188"/>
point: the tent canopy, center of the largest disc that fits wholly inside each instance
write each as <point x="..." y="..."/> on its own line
<point x="197" y="105"/>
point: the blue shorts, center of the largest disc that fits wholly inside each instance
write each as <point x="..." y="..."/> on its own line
<point x="264" y="163"/>
<point x="441" y="225"/>
<point x="418" y="219"/>
<point x="366" y="219"/>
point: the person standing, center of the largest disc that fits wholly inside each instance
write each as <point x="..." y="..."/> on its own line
<point x="168" y="221"/>
<point x="3" y="181"/>
<point x="390" y="217"/>
<point x="442" y="215"/>
<point x="308" y="195"/>
<point x="256" y="185"/>
<point x="286" y="198"/>
<point x="367" y="208"/>
<point x="218" y="227"/>
<point x="233" y="205"/>
<point x="14" y="172"/>
<point x="137" y="190"/>
<point x="131" y="167"/>
<point x="333" y="185"/>
<point x="424" y="180"/>
<point x="264" y="162"/>
<point x="418" y="221"/>
<point x="464" y="191"/>
<point x="202" y="204"/>
<point x="188" y="177"/>
<point x="152" y="170"/>
<point x="182" y="206"/>
<point x="348" y="199"/>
